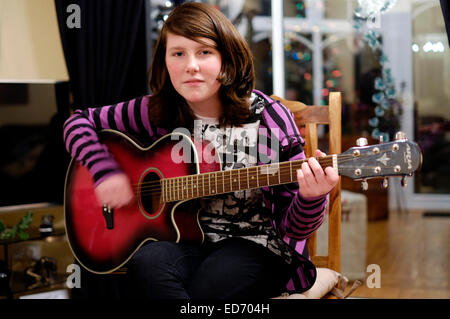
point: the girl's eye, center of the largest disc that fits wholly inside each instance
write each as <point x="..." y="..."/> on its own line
<point x="206" y="52"/>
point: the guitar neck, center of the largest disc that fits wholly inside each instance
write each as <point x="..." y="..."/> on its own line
<point x="221" y="182"/>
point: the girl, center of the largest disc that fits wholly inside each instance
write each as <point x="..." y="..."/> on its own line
<point x="202" y="79"/>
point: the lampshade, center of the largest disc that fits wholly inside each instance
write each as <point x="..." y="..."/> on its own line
<point x="30" y="45"/>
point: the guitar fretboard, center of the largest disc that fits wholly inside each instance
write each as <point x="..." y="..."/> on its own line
<point x="221" y="182"/>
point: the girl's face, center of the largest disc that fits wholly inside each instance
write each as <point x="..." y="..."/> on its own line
<point x="193" y="69"/>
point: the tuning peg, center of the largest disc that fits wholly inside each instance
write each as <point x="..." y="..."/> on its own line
<point x="385" y="183"/>
<point x="403" y="182"/>
<point x="400" y="136"/>
<point x="364" y="185"/>
<point x="362" y="141"/>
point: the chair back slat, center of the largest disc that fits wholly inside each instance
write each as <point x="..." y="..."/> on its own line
<point x="309" y="117"/>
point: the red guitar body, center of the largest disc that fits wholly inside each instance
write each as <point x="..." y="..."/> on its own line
<point x="102" y="249"/>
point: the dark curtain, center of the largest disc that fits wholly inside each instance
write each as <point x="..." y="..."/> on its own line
<point x="106" y="61"/>
<point x="106" y="55"/>
<point x="445" y="6"/>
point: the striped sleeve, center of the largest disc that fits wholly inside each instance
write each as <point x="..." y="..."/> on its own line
<point x="294" y="217"/>
<point x="82" y="142"/>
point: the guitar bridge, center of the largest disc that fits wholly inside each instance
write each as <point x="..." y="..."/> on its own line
<point x="108" y="214"/>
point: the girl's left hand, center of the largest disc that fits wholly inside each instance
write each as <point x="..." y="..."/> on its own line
<point x="314" y="181"/>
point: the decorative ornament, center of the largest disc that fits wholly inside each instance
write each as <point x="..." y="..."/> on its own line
<point x="300" y="9"/>
<point x="387" y="107"/>
<point x="371" y="8"/>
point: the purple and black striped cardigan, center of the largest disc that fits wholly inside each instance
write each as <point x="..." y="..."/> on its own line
<point x="293" y="217"/>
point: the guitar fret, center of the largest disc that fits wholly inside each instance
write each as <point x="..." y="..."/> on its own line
<point x="279" y="174"/>
<point x="177" y="192"/>
<point x="209" y="183"/>
<point x="166" y="190"/>
<point x="196" y="186"/>
<point x="225" y="190"/>
<point x="286" y="176"/>
<point x="166" y="184"/>
<point x="251" y="172"/>
<point x="180" y="181"/>
<point x="180" y="189"/>
<point x="169" y="189"/>
<point x="248" y="179"/>
<point x="239" y="178"/>
<point x="290" y="166"/>
<point x="173" y="189"/>
<point x="270" y="171"/>
<point x="203" y="185"/>
<point x="235" y="186"/>
<point x="223" y="182"/>
<point x="174" y="182"/>
<point x="215" y="186"/>
<point x="257" y="175"/>
<point x="231" y="182"/>
<point x="192" y="186"/>
<point x="186" y="186"/>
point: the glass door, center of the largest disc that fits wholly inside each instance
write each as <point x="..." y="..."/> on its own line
<point x="416" y="41"/>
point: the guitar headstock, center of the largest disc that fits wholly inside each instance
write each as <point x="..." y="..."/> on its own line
<point x="398" y="158"/>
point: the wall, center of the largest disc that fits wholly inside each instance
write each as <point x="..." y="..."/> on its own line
<point x="38" y="110"/>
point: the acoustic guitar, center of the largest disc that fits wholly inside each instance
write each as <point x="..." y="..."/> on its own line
<point x="171" y="174"/>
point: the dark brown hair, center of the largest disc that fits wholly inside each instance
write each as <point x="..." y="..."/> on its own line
<point x="195" y="20"/>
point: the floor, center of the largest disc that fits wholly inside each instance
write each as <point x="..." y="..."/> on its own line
<point x="413" y="253"/>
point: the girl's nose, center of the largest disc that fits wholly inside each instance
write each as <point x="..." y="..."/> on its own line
<point x="192" y="65"/>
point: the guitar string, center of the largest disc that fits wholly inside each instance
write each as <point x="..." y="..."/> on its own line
<point x="180" y="182"/>
<point x="324" y="162"/>
<point x="181" y="191"/>
<point x="286" y="171"/>
<point x="327" y="162"/>
<point x="154" y="187"/>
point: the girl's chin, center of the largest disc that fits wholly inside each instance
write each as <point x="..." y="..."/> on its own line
<point x="194" y="99"/>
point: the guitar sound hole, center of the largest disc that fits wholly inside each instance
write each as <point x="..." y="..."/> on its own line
<point x="150" y="190"/>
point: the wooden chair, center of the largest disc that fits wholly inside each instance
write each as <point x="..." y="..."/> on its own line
<point x="310" y="117"/>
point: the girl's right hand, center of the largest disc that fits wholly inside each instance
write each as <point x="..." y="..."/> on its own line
<point x="115" y="191"/>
